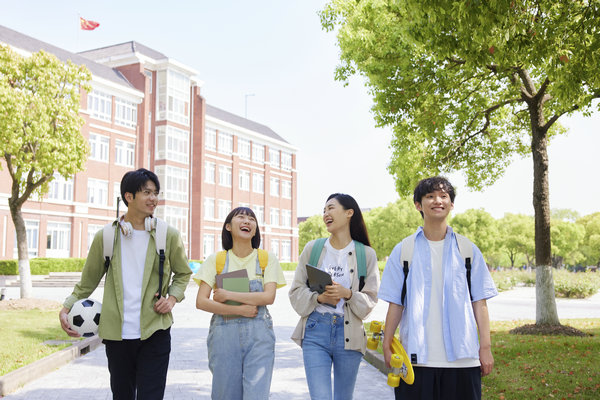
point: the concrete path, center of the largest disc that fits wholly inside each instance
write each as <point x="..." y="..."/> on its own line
<point x="189" y="377"/>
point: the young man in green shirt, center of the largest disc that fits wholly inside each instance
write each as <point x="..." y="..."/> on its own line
<point x="135" y="320"/>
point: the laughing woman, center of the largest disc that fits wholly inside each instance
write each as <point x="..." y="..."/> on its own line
<point x="241" y="341"/>
<point x="331" y="329"/>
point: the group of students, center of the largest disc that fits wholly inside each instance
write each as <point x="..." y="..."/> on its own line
<point x="440" y="305"/>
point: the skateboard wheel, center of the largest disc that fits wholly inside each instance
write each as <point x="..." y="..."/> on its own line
<point x="375" y="326"/>
<point x="372" y="344"/>
<point x="396" y="361"/>
<point x="393" y="380"/>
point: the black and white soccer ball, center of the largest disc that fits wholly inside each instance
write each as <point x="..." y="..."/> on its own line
<point x="84" y="317"/>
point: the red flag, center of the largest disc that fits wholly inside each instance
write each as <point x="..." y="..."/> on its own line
<point x="88" y="25"/>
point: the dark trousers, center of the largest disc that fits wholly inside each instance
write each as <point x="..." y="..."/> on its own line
<point x="139" y="367"/>
<point x="442" y="384"/>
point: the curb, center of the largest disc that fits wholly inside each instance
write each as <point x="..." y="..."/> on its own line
<point x="17" y="378"/>
<point x="376" y="360"/>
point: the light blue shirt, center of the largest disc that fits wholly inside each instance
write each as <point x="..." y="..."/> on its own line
<point x="458" y="320"/>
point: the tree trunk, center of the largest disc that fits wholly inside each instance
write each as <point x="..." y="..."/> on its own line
<point x="22" y="248"/>
<point x="545" y="310"/>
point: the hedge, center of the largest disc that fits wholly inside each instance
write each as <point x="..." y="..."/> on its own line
<point x="43" y="266"/>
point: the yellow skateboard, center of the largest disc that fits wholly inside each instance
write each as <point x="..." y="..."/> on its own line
<point x="400" y="362"/>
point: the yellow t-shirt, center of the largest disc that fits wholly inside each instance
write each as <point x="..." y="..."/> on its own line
<point x="208" y="270"/>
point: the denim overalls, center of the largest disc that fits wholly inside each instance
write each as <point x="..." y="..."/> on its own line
<point x="241" y="351"/>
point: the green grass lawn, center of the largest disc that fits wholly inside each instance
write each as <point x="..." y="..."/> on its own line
<point x="543" y="367"/>
<point x="22" y="337"/>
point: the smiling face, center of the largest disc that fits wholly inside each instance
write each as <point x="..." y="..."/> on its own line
<point x="145" y="201"/>
<point x="242" y="227"/>
<point x="336" y="217"/>
<point x="435" y="205"/>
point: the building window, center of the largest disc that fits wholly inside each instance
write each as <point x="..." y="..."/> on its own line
<point x="208" y="244"/>
<point x="125" y="113"/>
<point x="172" y="144"/>
<point x="173" y="96"/>
<point x="244" y="149"/>
<point x="225" y="143"/>
<point x="149" y="75"/>
<point x="286" y="189"/>
<point x="97" y="192"/>
<point x="274" y="216"/>
<point x="100" y="105"/>
<point x="58" y="239"/>
<point x="176" y="217"/>
<point x="91" y="232"/>
<point x="274" y="158"/>
<point x="175" y="182"/>
<point x="224" y="176"/>
<point x="286" y="250"/>
<point x="245" y="180"/>
<point x="209" y="208"/>
<point x="99" y="147"/>
<point x="275" y="247"/>
<point x="224" y="209"/>
<point x="32" y="230"/>
<point x="259" y="211"/>
<point x="286" y="161"/>
<point x="275" y="187"/>
<point x="286" y="218"/>
<point x="60" y="188"/>
<point x="258" y="183"/>
<point x="124" y="153"/>
<point x="247" y="205"/>
<point x="258" y="153"/>
<point x="209" y="172"/>
<point x="210" y="138"/>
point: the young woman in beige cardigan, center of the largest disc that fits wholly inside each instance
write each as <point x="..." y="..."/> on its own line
<point x="330" y="330"/>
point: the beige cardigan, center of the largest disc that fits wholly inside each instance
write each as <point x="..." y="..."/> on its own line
<point x="356" y="309"/>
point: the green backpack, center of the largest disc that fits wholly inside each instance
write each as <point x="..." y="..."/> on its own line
<point x="361" y="258"/>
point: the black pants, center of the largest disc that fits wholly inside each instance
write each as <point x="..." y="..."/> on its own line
<point x="442" y="384"/>
<point x="139" y="366"/>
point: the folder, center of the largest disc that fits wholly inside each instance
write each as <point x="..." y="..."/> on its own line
<point x="241" y="273"/>
<point x="241" y="285"/>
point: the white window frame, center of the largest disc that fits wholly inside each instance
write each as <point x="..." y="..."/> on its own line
<point x="244" y="149"/>
<point x="210" y="139"/>
<point x="124" y="153"/>
<point x="259" y="211"/>
<point x="125" y="113"/>
<point x="172" y="144"/>
<point x="225" y="145"/>
<point x="258" y="183"/>
<point x="258" y="153"/>
<point x="244" y="180"/>
<point x="97" y="192"/>
<point x="224" y="208"/>
<point x="100" y="105"/>
<point x="99" y="147"/>
<point x="174" y="182"/>
<point x="32" y="230"/>
<point x="209" y="172"/>
<point x="61" y="189"/>
<point x="286" y="161"/>
<point x="274" y="158"/>
<point x="274" y="216"/>
<point x="286" y="251"/>
<point x="176" y="217"/>
<point x="58" y="239"/>
<point x="274" y="187"/>
<point x="209" y="208"/>
<point x="92" y="229"/>
<point x="286" y="218"/>
<point x="225" y="176"/>
<point x="173" y="96"/>
<point x="286" y="189"/>
<point x="208" y="244"/>
<point x="275" y="247"/>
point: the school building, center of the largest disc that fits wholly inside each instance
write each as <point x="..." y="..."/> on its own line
<point x="146" y="110"/>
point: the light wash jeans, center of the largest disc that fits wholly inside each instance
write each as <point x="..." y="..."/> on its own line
<point x="322" y="346"/>
<point x="241" y="353"/>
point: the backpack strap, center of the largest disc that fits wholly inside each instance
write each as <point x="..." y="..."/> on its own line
<point x="465" y="247"/>
<point x="361" y="260"/>
<point x="315" y="253"/>
<point x="221" y="259"/>
<point x="262" y="261"/>
<point x="160" y="239"/>
<point x="406" y="253"/>
<point x="108" y="242"/>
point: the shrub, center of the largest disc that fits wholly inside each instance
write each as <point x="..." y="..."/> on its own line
<point x="43" y="266"/>
<point x="288" y="266"/>
<point x="575" y="285"/>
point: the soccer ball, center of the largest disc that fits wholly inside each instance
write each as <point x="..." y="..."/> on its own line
<point x="84" y="317"/>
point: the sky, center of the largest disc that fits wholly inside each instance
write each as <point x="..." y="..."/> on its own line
<point x="272" y="60"/>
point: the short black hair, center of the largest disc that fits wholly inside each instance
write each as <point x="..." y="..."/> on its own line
<point x="227" y="239"/>
<point x="430" y="185"/>
<point x="358" y="229"/>
<point x="134" y="181"/>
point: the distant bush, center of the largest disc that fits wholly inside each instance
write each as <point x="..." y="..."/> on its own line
<point x="288" y="266"/>
<point x="576" y="285"/>
<point x="43" y="266"/>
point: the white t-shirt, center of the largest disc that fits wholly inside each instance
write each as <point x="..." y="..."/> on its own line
<point x="433" y="327"/>
<point x="133" y="257"/>
<point x="335" y="263"/>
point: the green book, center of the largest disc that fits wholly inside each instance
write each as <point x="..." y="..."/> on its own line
<point x="241" y="285"/>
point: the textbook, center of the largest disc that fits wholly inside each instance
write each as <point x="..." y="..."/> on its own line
<point x="317" y="279"/>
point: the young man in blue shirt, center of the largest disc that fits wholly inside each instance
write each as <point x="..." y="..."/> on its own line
<point x="444" y="325"/>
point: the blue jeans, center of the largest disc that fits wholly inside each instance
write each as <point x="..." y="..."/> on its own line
<point x="322" y="346"/>
<point x="241" y="353"/>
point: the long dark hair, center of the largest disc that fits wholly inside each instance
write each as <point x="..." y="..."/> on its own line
<point x="227" y="239"/>
<point x="358" y="229"/>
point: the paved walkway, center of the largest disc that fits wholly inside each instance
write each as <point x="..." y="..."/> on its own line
<point x="189" y="377"/>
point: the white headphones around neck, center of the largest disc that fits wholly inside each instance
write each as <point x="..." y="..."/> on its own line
<point x="127" y="228"/>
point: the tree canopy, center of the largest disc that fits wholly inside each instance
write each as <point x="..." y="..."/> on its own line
<point x="39" y="130"/>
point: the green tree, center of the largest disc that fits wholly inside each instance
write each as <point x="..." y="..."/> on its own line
<point x="516" y="236"/>
<point x="567" y="238"/>
<point x="479" y="226"/>
<point x="469" y="85"/>
<point x="39" y="131"/>
<point x="390" y="224"/>
<point x="591" y="242"/>
<point x="312" y="228"/>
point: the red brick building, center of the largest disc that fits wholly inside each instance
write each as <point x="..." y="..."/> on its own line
<point x="146" y="110"/>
